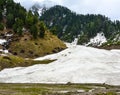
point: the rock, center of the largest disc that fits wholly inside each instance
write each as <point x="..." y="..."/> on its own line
<point x="1" y="47"/>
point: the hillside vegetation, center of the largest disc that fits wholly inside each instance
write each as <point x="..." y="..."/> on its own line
<point x="30" y="37"/>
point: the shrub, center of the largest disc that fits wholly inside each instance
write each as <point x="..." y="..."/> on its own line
<point x="1" y="26"/>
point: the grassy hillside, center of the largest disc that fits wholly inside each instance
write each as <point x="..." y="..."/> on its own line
<point x="11" y="61"/>
<point x="28" y="47"/>
<point x="110" y="45"/>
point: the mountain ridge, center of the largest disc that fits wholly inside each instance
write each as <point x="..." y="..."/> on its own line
<point x="68" y="25"/>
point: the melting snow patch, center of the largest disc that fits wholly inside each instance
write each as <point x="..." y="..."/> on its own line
<point x="98" y="40"/>
<point x="65" y="91"/>
<point x="9" y="35"/>
<point x="4" y="51"/>
<point x="81" y="91"/>
<point x="2" y="41"/>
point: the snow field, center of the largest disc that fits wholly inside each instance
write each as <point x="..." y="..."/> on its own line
<point x="76" y="64"/>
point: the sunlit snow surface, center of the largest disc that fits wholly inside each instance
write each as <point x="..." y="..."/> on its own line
<point x="98" y="40"/>
<point x="2" y="41"/>
<point x="76" y="64"/>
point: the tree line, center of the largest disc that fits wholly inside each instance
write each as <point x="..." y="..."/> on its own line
<point x="16" y="17"/>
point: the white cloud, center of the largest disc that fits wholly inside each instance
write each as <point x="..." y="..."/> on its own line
<point x="109" y="8"/>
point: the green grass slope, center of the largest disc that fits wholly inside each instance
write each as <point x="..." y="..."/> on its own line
<point x="11" y="61"/>
<point x="28" y="47"/>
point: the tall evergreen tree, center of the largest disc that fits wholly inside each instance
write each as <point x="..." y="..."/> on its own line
<point x="42" y="29"/>
<point x="10" y="20"/>
<point x="34" y="31"/>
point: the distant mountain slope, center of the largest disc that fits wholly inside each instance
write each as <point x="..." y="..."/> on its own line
<point x="68" y="25"/>
<point x="40" y="7"/>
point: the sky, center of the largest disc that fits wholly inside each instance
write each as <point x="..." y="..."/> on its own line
<point x="109" y="8"/>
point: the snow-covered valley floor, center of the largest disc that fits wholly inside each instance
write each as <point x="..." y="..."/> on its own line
<point x="76" y="64"/>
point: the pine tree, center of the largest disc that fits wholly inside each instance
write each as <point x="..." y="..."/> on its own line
<point x="34" y="31"/>
<point x="18" y="26"/>
<point x="1" y="15"/>
<point x="1" y="26"/>
<point x="10" y="20"/>
<point x="42" y="29"/>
